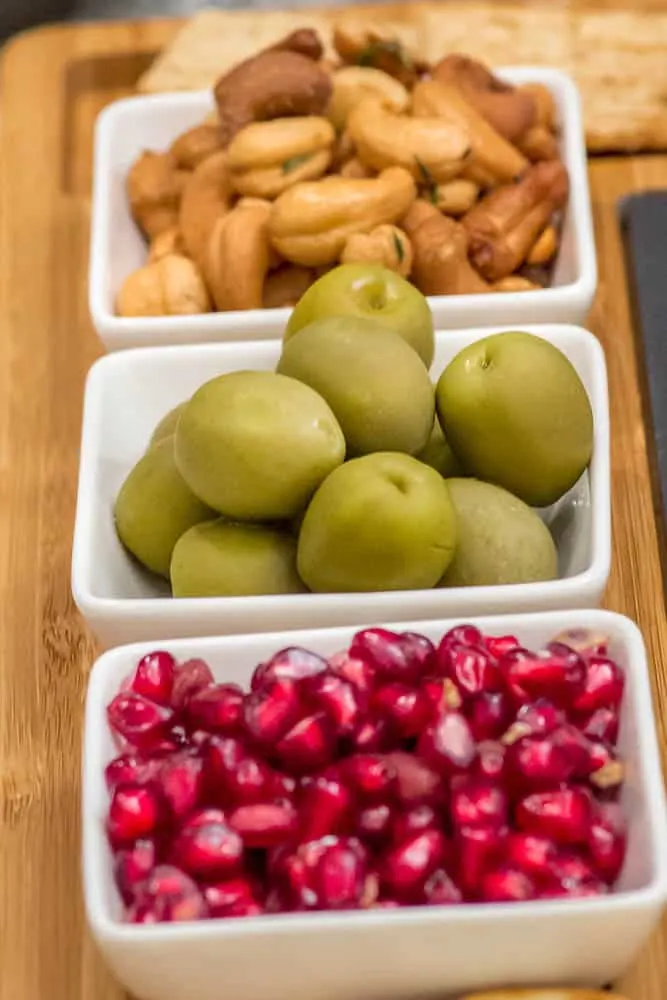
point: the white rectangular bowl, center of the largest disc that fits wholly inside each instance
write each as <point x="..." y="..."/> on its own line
<point x="391" y="955"/>
<point x="127" y="394"/>
<point x="127" y="127"/>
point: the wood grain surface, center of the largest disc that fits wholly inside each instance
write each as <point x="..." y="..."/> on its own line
<point x="52" y="84"/>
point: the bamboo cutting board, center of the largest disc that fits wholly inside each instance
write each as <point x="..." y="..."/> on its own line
<point x="52" y="84"/>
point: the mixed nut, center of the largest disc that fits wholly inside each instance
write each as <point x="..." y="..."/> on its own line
<point x="443" y="173"/>
<point x="394" y="773"/>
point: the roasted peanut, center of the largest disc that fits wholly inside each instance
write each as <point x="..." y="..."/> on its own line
<point x="515" y="283"/>
<point x="154" y="187"/>
<point x="352" y="84"/>
<point x="432" y="149"/>
<point x="286" y="285"/>
<point x="238" y="256"/>
<point x="544" y="248"/>
<point x="311" y="221"/>
<point x="387" y="245"/>
<point x="455" y="198"/>
<point x="440" y="263"/>
<point x="505" y="107"/>
<point x="205" y="198"/>
<point x="265" y="158"/>
<point x="170" y="286"/>
<point x="167" y="242"/>
<point x="489" y="151"/>
<point x="193" y="146"/>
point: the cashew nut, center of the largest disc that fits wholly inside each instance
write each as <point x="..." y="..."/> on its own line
<point x="352" y="84"/>
<point x="265" y="158"/>
<point x="509" y="110"/>
<point x="432" y="149"/>
<point x="440" y="253"/>
<point x="238" y="256"/>
<point x="360" y="43"/>
<point x="285" y="286"/>
<point x="205" y="198"/>
<point x="273" y="84"/>
<point x="545" y="105"/>
<point x="539" y="144"/>
<point x="154" y="187"/>
<point x="310" y="222"/>
<point x="167" y="242"/>
<point x="343" y="150"/>
<point x="356" y="169"/>
<point x="387" y="245"/>
<point x="489" y="151"/>
<point x="544" y="248"/>
<point x="170" y="286"/>
<point x="456" y="197"/>
<point x="515" y="283"/>
<point x="193" y="146"/>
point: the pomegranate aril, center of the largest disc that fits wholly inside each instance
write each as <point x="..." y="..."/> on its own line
<point x="324" y="807"/>
<point x="488" y="715"/>
<point x="474" y="803"/>
<point x="204" y="817"/>
<point x="264" y="824"/>
<point x="416" y="820"/>
<point x="448" y="744"/>
<point x="371" y="776"/>
<point x="190" y="677"/>
<point x="208" y="850"/>
<point x="181" y="783"/>
<point x="134" y="813"/>
<point x="536" y="718"/>
<point x="371" y="736"/>
<point x="291" y="664"/>
<point x="531" y="854"/>
<point x="154" y="677"/>
<point x="607" y="842"/>
<point x="216" y="709"/>
<point x="339" y="876"/>
<point x="478" y="851"/>
<point x="129" y="769"/>
<point x="603" y="685"/>
<point x="308" y="745"/>
<point x="498" y="645"/>
<point x="223" y="897"/>
<point x="374" y="823"/>
<point x="169" y="895"/>
<point x="138" y="720"/>
<point x="405" y="708"/>
<point x="354" y="670"/>
<point x="569" y="870"/>
<point x="539" y="763"/>
<point x="441" y="693"/>
<point x="420" y="649"/>
<point x="272" y="710"/>
<point x="387" y="654"/>
<point x="466" y="635"/>
<point x="441" y="890"/>
<point x="337" y="698"/>
<point x="405" y="867"/>
<point x="507" y="885"/>
<point x="556" y="673"/>
<point x="563" y="814"/>
<point x="133" y="866"/>
<point x="491" y="761"/>
<point x="603" y="724"/>
<point x="605" y="771"/>
<point x="586" y="642"/>
<point x="233" y="775"/>
<point x="472" y="669"/>
<point x="415" y="781"/>
<point x="141" y="913"/>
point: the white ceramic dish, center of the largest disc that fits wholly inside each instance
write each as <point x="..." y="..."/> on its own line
<point x="127" y="394"/>
<point x="433" y="952"/>
<point x="127" y="127"/>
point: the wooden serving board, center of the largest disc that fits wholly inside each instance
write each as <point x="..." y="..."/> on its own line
<point x="52" y="84"/>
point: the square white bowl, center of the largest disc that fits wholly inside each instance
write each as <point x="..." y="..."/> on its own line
<point x="127" y="394"/>
<point x="127" y="127"/>
<point x="417" y="952"/>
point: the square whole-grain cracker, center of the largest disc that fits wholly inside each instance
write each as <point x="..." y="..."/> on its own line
<point x="616" y="57"/>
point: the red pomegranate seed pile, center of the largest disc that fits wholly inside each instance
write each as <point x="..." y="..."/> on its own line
<point x="396" y="773"/>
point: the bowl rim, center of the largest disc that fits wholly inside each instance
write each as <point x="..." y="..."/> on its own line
<point x="581" y="288"/>
<point x="594" y="576"/>
<point x="113" y="662"/>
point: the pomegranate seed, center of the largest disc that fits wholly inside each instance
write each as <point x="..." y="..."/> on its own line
<point x="283" y="786"/>
<point x="584" y="641"/>
<point x="556" y="673"/>
<point x="169" y="895"/>
<point x="339" y="876"/>
<point x="563" y="814"/>
<point x="371" y="736"/>
<point x="216" y="709"/>
<point x="440" y="890"/>
<point x="133" y="814"/>
<point x="308" y="745"/>
<point x="488" y="715"/>
<point x="264" y="824"/>
<point x="477" y="804"/>
<point x="224" y="898"/>
<point x="129" y="769"/>
<point x="140" y="913"/>
<point x="498" y="645"/>
<point x="190" y="677"/>
<point x="204" y="817"/>
<point x="537" y="718"/>
<point x="465" y="635"/>
<point x="539" y="763"/>
<point x="415" y="780"/>
<point x="412" y="821"/>
<point x="387" y="654"/>
<point x="405" y="708"/>
<point x="354" y="670"/>
<point x="605" y="771"/>
<point x="491" y="761"/>
<point x="337" y="698"/>
<point x="479" y="848"/>
<point x="569" y="871"/>
<point x="607" y="843"/>
<point x="154" y="677"/>
<point x="291" y="664"/>
<point x="420" y="649"/>
<point x="448" y="744"/>
<point x="507" y="885"/>
<point x="471" y="668"/>
<point x="374" y="823"/>
<point x="405" y="867"/>
<point x="579" y="890"/>
<point x="137" y="720"/>
<point x="324" y="807"/>
<point x="578" y="749"/>
<point x="233" y="775"/>
<point x="133" y="866"/>
<point x="180" y="781"/>
<point x="370" y="775"/>
<point x="272" y="710"/>
<point x="603" y="685"/>
<point x="531" y="854"/>
<point x="441" y="693"/>
<point x="602" y="725"/>
<point x="207" y="850"/>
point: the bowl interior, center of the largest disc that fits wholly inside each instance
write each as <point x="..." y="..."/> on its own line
<point x="128" y="394"/>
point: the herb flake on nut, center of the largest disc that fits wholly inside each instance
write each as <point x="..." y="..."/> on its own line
<point x="398" y="246"/>
<point x="368" y="56"/>
<point x="294" y="162"/>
